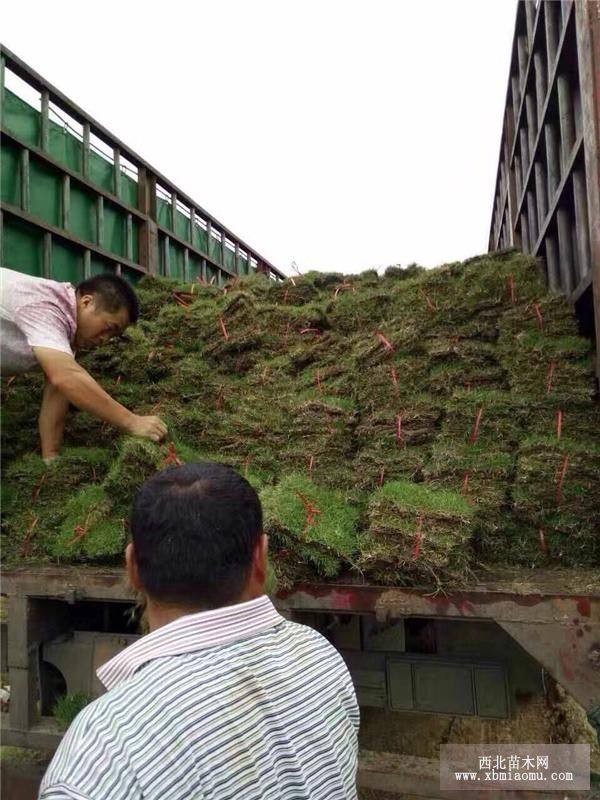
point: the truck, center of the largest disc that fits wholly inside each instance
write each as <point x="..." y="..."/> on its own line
<point x="510" y="653"/>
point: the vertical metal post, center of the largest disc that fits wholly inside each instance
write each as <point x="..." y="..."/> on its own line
<point x="192" y="225"/>
<point x="522" y="58"/>
<point x="532" y="225"/>
<point x="529" y="19"/>
<point x="208" y="237"/>
<point x="540" y="84"/>
<point x="203" y="270"/>
<point x="129" y="237"/>
<point x="552" y="159"/>
<point x="2" y="70"/>
<point x="186" y="264"/>
<point x="587" y="31"/>
<point x="117" y="172"/>
<point x="223" y="247"/>
<point x="25" y="179"/>
<point x="565" y="250"/>
<point x="525" y="233"/>
<point x="516" y="96"/>
<point x="47" y="256"/>
<point x="45" y="120"/>
<point x="567" y="122"/>
<point x="541" y="193"/>
<point x="173" y="211"/>
<point x="237" y="259"/>
<point x="148" y="230"/>
<point x="552" y="264"/>
<point x="66" y="202"/>
<point x="167" y="256"/>
<point x="582" y="223"/>
<point x="85" y="152"/>
<point x="531" y="124"/>
<point x="551" y="23"/>
<point x="524" y="154"/>
<point x="87" y="264"/>
<point x="100" y="220"/>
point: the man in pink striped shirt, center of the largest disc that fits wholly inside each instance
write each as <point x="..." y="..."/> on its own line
<point x="43" y="323"/>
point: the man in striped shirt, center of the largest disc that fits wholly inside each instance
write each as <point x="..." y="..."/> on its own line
<point x="224" y="699"/>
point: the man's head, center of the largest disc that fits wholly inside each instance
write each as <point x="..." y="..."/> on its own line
<point x="197" y="538"/>
<point x="106" y="305"/>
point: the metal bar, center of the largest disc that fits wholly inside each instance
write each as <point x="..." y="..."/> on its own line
<point x="540" y="85"/>
<point x="587" y="29"/>
<point x="47" y="255"/>
<point x="173" y="211"/>
<point x="85" y="151"/>
<point x="525" y="233"/>
<point x="25" y="179"/>
<point x="61" y="233"/>
<point x="66" y="202"/>
<point x="516" y="95"/>
<point x="565" y="250"/>
<point x="551" y="25"/>
<point x="100" y="220"/>
<point x="237" y="259"/>
<point x="522" y="58"/>
<point x="553" y="159"/>
<point x="540" y="193"/>
<point x="45" y="121"/>
<point x="32" y="77"/>
<point x="186" y="264"/>
<point x="581" y="223"/>
<point x="551" y="80"/>
<point x="532" y="220"/>
<point x="203" y="270"/>
<point x="524" y="141"/>
<point x="567" y="122"/>
<point x="117" y="172"/>
<point x="192" y="224"/>
<point x="87" y="264"/>
<point x="552" y="268"/>
<point x="558" y="194"/>
<point x="529" y="18"/>
<point x="167" y="256"/>
<point x="208" y="237"/>
<point x="531" y="123"/>
<point x="129" y="237"/>
<point x="75" y="176"/>
<point x="2" y="68"/>
<point x="223" y="248"/>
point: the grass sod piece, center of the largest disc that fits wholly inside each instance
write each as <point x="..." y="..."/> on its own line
<point x="269" y="396"/>
<point x="556" y="477"/>
<point x="90" y="529"/>
<point x="313" y="530"/>
<point x="34" y="497"/>
<point x="416" y="534"/>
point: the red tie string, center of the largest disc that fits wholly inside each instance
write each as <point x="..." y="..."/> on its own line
<point x="385" y="342"/>
<point x="475" y="431"/>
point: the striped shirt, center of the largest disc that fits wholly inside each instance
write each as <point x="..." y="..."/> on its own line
<point x="237" y="703"/>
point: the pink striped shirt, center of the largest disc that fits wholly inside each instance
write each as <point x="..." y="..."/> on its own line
<point x="34" y="312"/>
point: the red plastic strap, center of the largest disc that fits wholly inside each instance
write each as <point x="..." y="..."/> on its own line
<point x="418" y="539"/>
<point x="385" y="342"/>
<point x="475" y="431"/>
<point x="223" y="328"/>
<point x="561" y="479"/>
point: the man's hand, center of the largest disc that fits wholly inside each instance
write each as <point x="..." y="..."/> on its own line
<point x="71" y="381"/>
<point x="148" y="428"/>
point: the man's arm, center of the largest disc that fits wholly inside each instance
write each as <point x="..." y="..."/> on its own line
<point x="78" y="387"/>
<point x="52" y="421"/>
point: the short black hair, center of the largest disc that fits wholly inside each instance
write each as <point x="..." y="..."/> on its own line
<point x="114" y="293"/>
<point x="194" y="529"/>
